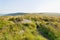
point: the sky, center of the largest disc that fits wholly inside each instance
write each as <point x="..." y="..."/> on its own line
<point x="29" y="6"/>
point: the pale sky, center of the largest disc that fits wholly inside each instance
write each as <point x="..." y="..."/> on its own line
<point x="12" y="6"/>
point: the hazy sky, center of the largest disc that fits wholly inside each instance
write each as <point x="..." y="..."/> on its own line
<point x="12" y="6"/>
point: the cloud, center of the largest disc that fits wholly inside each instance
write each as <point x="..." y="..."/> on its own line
<point x="51" y="6"/>
<point x="28" y="6"/>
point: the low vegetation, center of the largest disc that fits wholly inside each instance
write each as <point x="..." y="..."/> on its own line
<point x="30" y="27"/>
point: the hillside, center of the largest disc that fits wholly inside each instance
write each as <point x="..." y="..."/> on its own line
<point x="30" y="27"/>
<point x="21" y="13"/>
<point x="14" y="14"/>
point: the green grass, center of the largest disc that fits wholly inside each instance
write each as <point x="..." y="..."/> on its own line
<point x="41" y="27"/>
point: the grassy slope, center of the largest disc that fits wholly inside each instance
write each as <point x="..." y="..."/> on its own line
<point x="40" y="28"/>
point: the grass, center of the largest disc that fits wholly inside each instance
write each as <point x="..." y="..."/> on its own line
<point x="41" y="27"/>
